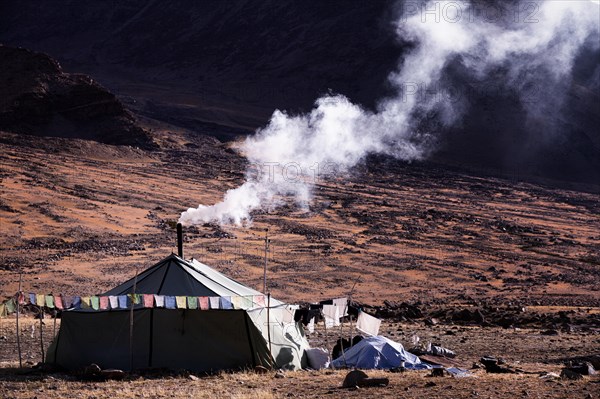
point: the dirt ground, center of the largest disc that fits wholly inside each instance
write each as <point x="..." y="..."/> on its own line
<point x="525" y="349"/>
<point x="79" y="218"/>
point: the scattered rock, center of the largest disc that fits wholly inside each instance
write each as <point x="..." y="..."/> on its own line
<point x="359" y="379"/>
<point x="567" y="374"/>
<point x="437" y="372"/>
<point x="353" y="378"/>
<point x="583" y="368"/>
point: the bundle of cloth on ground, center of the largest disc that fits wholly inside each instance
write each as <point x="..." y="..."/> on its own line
<point x="379" y="353"/>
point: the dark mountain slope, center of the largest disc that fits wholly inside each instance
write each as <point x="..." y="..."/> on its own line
<point x="221" y="68"/>
<point x="38" y="98"/>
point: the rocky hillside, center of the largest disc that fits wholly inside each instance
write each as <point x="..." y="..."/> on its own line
<point x="38" y="98"/>
<point x="222" y="68"/>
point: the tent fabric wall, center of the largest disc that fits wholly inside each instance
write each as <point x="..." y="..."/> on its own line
<point x="288" y="341"/>
<point x="163" y="338"/>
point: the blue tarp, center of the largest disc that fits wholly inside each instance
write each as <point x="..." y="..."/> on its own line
<point x="379" y="353"/>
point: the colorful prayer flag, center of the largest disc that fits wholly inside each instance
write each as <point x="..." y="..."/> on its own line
<point x="123" y="301"/>
<point x="58" y="302"/>
<point x="76" y="304"/>
<point x="170" y="302"/>
<point x="181" y="302"/>
<point x="259" y="301"/>
<point x="50" y="301"/>
<point x="160" y="301"/>
<point x="247" y="302"/>
<point x="86" y="302"/>
<point x="148" y="300"/>
<point x="225" y="302"/>
<point x="214" y="302"/>
<point x="104" y="303"/>
<point x="114" y="301"/>
<point x="236" y="302"/>
<point x="203" y="300"/>
<point x="40" y="299"/>
<point x="192" y="302"/>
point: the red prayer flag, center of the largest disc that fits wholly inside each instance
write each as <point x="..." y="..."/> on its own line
<point x="148" y="300"/>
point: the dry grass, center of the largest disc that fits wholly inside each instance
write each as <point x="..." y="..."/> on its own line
<point x="299" y="385"/>
<point x="524" y="348"/>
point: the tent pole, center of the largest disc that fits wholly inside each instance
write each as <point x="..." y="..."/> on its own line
<point x="131" y="321"/>
<point x="266" y="254"/>
<point x="326" y="340"/>
<point x="18" y="330"/>
<point x="269" y="322"/>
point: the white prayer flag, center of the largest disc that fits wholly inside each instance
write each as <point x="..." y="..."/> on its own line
<point x="368" y="324"/>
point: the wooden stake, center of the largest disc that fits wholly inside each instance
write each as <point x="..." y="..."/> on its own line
<point x="131" y="321"/>
<point x="326" y="340"/>
<point x="42" y="332"/>
<point x="18" y="330"/>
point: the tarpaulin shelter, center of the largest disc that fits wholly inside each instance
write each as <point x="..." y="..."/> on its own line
<point x="192" y="339"/>
<point x="379" y="353"/>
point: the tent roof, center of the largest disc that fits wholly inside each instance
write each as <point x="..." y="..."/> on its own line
<point x="176" y="276"/>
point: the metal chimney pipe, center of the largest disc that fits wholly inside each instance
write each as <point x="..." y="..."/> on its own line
<point x="180" y="240"/>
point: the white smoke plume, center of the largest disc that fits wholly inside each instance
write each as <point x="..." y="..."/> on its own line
<point x="530" y="40"/>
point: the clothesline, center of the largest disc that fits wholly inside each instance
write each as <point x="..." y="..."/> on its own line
<point x="120" y="302"/>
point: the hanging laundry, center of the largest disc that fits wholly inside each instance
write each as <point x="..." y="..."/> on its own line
<point x="104" y="305"/>
<point x="170" y="302"/>
<point x="332" y="315"/>
<point x="214" y="302"/>
<point x="192" y="302"/>
<point x="311" y="325"/>
<point x="203" y="301"/>
<point x="225" y="302"/>
<point x="160" y="301"/>
<point x="32" y="299"/>
<point x="49" y="301"/>
<point x="114" y="301"/>
<point x="181" y="302"/>
<point x="148" y="300"/>
<point x="123" y="301"/>
<point x="368" y="324"/>
<point x="342" y="303"/>
<point x="58" y="302"/>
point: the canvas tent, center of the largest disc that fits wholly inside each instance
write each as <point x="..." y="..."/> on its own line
<point x="192" y="339"/>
